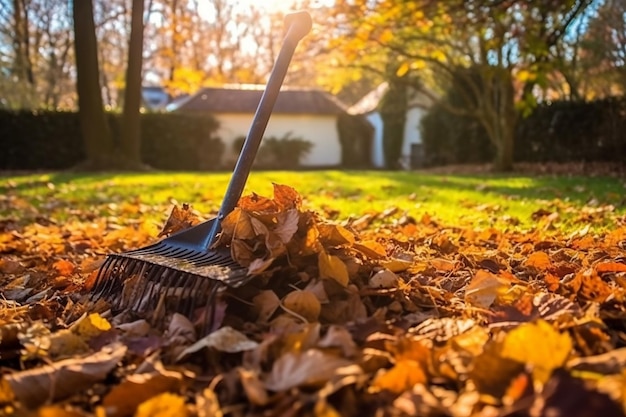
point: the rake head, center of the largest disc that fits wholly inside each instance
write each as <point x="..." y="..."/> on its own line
<point x="181" y="278"/>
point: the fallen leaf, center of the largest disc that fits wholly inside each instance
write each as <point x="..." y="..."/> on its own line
<point x="225" y="339"/>
<point x="266" y="303"/>
<point x="484" y="288"/>
<point x="179" y="219"/>
<point x="540" y="346"/>
<point x="310" y="368"/>
<point x="253" y="387"/>
<point x="332" y="267"/>
<point x="123" y="399"/>
<point x="303" y="303"/>
<point x="64" y="267"/>
<point x="287" y="225"/>
<point x="163" y="405"/>
<point x="539" y="260"/>
<point x="402" y="377"/>
<point x="63" y="378"/>
<point x="334" y="235"/>
<point x="383" y="279"/>
<point x="370" y="248"/>
<point x="286" y="197"/>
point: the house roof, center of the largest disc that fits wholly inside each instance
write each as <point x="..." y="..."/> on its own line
<point x="369" y="103"/>
<point x="246" y="100"/>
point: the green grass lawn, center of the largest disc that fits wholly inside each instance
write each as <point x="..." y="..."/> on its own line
<point x="479" y="200"/>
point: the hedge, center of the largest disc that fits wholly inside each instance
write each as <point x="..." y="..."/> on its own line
<point x="561" y="131"/>
<point x="46" y="140"/>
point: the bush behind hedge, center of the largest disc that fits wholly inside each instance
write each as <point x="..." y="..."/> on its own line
<point x="45" y="140"/>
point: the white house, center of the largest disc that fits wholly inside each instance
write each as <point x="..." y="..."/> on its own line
<point x="419" y="103"/>
<point x="305" y="113"/>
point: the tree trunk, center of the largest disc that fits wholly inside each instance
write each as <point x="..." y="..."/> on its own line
<point x="393" y="108"/>
<point x="131" y="123"/>
<point x="504" y="149"/>
<point x="97" y="138"/>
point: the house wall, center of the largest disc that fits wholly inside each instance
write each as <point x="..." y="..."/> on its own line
<point x="320" y="130"/>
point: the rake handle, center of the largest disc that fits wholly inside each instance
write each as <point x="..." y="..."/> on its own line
<point x="297" y="26"/>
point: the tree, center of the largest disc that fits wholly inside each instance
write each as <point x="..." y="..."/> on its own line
<point x="131" y="127"/>
<point x="99" y="146"/>
<point x="36" y="54"/>
<point x="506" y="42"/>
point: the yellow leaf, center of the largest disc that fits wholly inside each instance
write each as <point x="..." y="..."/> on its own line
<point x="304" y="303"/>
<point x="6" y="393"/>
<point x="402" y="377"/>
<point x="371" y="249"/>
<point x="539" y="345"/>
<point x="335" y="235"/>
<point x="484" y="288"/>
<point x="91" y="326"/>
<point x="397" y="265"/>
<point x="163" y="405"/>
<point x="403" y="69"/>
<point x="331" y="267"/>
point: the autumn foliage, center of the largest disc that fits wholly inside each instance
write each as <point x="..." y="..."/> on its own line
<point x="395" y="316"/>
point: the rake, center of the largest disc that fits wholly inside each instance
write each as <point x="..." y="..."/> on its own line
<point x="183" y="269"/>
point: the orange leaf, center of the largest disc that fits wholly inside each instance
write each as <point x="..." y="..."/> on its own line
<point x="539" y="260"/>
<point x="610" y="267"/>
<point x="64" y="267"/>
<point x="402" y="377"/>
<point x="286" y="197"/>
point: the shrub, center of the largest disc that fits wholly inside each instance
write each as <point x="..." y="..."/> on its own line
<point x="49" y="140"/>
<point x="561" y="131"/>
<point x="285" y="152"/>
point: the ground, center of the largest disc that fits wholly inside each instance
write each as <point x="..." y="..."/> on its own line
<point x="430" y="293"/>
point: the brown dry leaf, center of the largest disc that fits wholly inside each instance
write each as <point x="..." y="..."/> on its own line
<point x="492" y="373"/>
<point x="266" y="303"/>
<point x="592" y="287"/>
<point x="384" y="279"/>
<point x="180" y="219"/>
<point x="538" y="345"/>
<point x="237" y="224"/>
<point x="163" y="405"/>
<point x="286" y="197"/>
<point x="339" y="337"/>
<point x="371" y="249"/>
<point x="258" y="266"/>
<point x="286" y="225"/>
<point x="397" y="265"/>
<point x="207" y="404"/>
<point x="332" y="267"/>
<point x="123" y="399"/>
<point x="303" y="303"/>
<point x="484" y="288"/>
<point x="257" y="203"/>
<point x="334" y="235"/>
<point x="63" y="378"/>
<point x="225" y="339"/>
<point x="310" y="368"/>
<point x="253" y="387"/>
<point x="443" y="264"/>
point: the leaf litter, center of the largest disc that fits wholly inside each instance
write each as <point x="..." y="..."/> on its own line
<point x="382" y="315"/>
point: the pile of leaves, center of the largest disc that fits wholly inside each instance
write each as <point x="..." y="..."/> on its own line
<point x="396" y="317"/>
